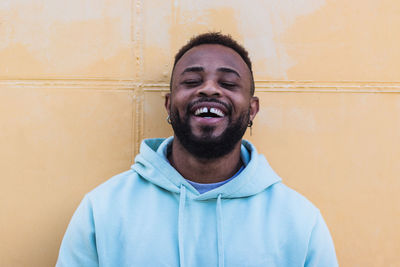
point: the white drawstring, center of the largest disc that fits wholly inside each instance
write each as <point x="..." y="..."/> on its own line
<point x="220" y="236"/>
<point x="182" y="200"/>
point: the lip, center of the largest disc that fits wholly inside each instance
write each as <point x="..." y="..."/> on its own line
<point x="207" y="121"/>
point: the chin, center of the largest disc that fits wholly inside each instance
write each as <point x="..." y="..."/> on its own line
<point x="205" y="142"/>
<point x="207" y="133"/>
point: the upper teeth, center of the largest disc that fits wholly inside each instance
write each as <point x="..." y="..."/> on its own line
<point x="215" y="111"/>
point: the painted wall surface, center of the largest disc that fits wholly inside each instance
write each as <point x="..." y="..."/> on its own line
<point x="83" y="81"/>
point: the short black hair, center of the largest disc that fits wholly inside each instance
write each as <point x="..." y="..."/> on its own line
<point x="220" y="39"/>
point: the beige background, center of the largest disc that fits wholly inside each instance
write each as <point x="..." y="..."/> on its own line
<point x="83" y="81"/>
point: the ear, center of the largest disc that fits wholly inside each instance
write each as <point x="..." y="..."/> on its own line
<point x="254" y="107"/>
<point x="167" y="103"/>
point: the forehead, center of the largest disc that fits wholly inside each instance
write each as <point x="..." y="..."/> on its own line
<point x="212" y="56"/>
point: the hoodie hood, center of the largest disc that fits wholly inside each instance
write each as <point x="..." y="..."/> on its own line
<point x="255" y="177"/>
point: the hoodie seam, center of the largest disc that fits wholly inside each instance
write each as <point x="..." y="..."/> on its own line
<point x="161" y="172"/>
<point x="315" y="220"/>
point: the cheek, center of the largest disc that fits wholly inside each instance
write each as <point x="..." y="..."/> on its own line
<point x="241" y="104"/>
<point x="180" y="100"/>
<point x="177" y="107"/>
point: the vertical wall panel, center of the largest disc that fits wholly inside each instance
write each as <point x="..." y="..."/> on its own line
<point x="68" y="101"/>
<point x="56" y="145"/>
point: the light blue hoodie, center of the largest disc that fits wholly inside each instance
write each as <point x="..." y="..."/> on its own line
<point x="151" y="216"/>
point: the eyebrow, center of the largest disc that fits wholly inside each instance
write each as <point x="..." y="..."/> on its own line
<point x="201" y="69"/>
<point x="228" y="70"/>
<point x="193" y="69"/>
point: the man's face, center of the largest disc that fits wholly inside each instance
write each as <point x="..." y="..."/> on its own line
<point x="210" y="104"/>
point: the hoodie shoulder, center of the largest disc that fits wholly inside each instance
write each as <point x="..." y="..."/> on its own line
<point x="292" y="208"/>
<point x="292" y="200"/>
<point x="114" y="185"/>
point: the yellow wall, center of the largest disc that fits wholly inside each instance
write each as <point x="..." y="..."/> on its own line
<point x="82" y="82"/>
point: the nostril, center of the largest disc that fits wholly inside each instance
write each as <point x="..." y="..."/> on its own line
<point x="209" y="91"/>
<point x="201" y="93"/>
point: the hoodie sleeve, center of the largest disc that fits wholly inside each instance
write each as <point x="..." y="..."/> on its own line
<point x="78" y="247"/>
<point x="321" y="251"/>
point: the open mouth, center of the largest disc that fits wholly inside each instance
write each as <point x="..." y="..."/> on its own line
<point x="209" y="112"/>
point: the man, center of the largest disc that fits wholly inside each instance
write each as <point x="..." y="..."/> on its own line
<point x="203" y="197"/>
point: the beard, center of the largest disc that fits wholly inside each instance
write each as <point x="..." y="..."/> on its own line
<point x="207" y="146"/>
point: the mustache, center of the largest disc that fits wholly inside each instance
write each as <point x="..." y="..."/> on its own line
<point x="208" y="99"/>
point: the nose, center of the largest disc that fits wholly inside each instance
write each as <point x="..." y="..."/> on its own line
<point x="209" y="88"/>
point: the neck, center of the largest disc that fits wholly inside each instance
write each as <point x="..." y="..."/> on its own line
<point x="201" y="170"/>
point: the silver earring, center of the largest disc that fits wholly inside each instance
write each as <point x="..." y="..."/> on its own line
<point x="250" y="126"/>
<point x="168" y="119"/>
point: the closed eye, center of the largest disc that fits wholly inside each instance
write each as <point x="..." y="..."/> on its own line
<point x="191" y="83"/>
<point x="228" y="85"/>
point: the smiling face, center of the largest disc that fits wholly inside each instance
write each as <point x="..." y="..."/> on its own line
<point x="210" y="104"/>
